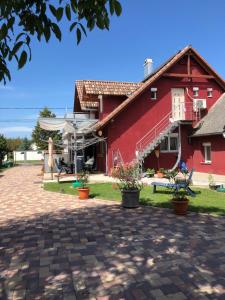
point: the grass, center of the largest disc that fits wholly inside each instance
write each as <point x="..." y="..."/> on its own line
<point x="206" y="201"/>
<point x="29" y="162"/>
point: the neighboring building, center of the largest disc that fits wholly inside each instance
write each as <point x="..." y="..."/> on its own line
<point x="178" y="109"/>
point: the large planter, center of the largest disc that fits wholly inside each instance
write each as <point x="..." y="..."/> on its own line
<point x="180" y="206"/>
<point x="130" y="198"/>
<point x="83" y="193"/>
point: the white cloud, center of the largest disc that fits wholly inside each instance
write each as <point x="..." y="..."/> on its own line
<point x="16" y="129"/>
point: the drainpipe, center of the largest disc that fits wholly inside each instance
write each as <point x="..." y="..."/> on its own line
<point x="106" y="158"/>
<point x="179" y="150"/>
<point x="100" y="97"/>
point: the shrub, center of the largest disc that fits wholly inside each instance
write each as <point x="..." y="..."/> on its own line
<point x="128" y="175"/>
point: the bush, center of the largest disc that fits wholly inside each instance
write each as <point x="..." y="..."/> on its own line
<point x="128" y="175"/>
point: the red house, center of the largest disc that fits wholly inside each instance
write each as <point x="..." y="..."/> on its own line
<point x="178" y="110"/>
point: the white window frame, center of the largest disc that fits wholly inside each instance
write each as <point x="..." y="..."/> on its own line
<point x="195" y="91"/>
<point x="154" y="93"/>
<point x="205" y="146"/>
<point x="209" y="92"/>
<point x="168" y="149"/>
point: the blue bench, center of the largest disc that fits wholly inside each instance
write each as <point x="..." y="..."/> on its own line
<point x="177" y="186"/>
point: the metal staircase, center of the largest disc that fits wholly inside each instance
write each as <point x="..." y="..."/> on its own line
<point x="154" y="137"/>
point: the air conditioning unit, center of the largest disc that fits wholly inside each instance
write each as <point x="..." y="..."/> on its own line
<point x="199" y="104"/>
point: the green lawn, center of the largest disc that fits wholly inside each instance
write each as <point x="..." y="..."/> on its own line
<point x="206" y="201"/>
<point x="29" y="162"/>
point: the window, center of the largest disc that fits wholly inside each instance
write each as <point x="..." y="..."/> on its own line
<point x="170" y="143"/>
<point x="207" y="153"/>
<point x="195" y="91"/>
<point x="153" y="93"/>
<point x="209" y="92"/>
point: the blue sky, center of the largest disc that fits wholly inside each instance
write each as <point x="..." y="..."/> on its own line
<point x="147" y="28"/>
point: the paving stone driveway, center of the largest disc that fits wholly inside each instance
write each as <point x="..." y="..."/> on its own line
<point x="53" y="246"/>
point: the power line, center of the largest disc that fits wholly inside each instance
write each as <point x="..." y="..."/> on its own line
<point x="17" y="120"/>
<point x="35" y="107"/>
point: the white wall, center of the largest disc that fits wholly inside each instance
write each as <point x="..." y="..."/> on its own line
<point x="28" y="155"/>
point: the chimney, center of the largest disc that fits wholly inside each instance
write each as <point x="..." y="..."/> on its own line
<point x="148" y="67"/>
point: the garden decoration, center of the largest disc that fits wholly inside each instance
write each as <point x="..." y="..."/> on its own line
<point x="221" y="189"/>
<point x="212" y="184"/>
<point x="76" y="183"/>
<point x="129" y="184"/>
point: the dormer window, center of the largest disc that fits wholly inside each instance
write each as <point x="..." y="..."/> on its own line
<point x="209" y="92"/>
<point x="153" y="93"/>
<point x="195" y="91"/>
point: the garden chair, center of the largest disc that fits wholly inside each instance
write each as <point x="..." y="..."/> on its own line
<point x="61" y="168"/>
<point x="177" y="186"/>
<point x="88" y="165"/>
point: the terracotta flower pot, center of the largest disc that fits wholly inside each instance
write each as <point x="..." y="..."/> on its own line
<point x="180" y="206"/>
<point x="83" y="193"/>
<point x="160" y="175"/>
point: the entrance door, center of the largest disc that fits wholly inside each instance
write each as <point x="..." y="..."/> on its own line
<point x="178" y="104"/>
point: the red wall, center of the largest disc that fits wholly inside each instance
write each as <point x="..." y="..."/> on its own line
<point x="109" y="104"/>
<point x="143" y="114"/>
<point x="217" y="151"/>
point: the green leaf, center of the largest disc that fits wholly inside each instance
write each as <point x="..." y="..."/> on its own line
<point x="47" y="33"/>
<point x="118" y="8"/>
<point x="10" y="22"/>
<point x="111" y="6"/>
<point x="3" y="31"/>
<point x="59" y="13"/>
<point x="53" y="10"/>
<point x="68" y="12"/>
<point x="15" y="49"/>
<point x="100" y="23"/>
<point x="22" y="60"/>
<point x="83" y="29"/>
<point x="91" y="24"/>
<point x="78" y="36"/>
<point x="73" y="25"/>
<point x="57" y="32"/>
<point x="19" y="36"/>
<point x="74" y="5"/>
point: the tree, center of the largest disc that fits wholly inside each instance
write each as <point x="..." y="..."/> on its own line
<point x="3" y="148"/>
<point x="13" y="143"/>
<point x="20" y="21"/>
<point x="40" y="136"/>
<point x="25" y="145"/>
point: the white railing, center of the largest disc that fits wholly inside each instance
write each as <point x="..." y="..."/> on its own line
<point x="154" y="132"/>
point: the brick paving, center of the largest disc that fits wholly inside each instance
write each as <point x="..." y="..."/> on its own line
<point x="54" y="246"/>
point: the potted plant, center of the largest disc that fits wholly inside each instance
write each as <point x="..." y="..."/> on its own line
<point x="180" y="202"/>
<point x="150" y="172"/>
<point x="160" y="172"/>
<point x="83" y="190"/>
<point x="129" y="184"/>
<point x="170" y="174"/>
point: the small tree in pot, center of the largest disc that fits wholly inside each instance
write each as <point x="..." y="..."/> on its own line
<point x="129" y="183"/>
<point x="83" y="190"/>
<point x="180" y="202"/>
